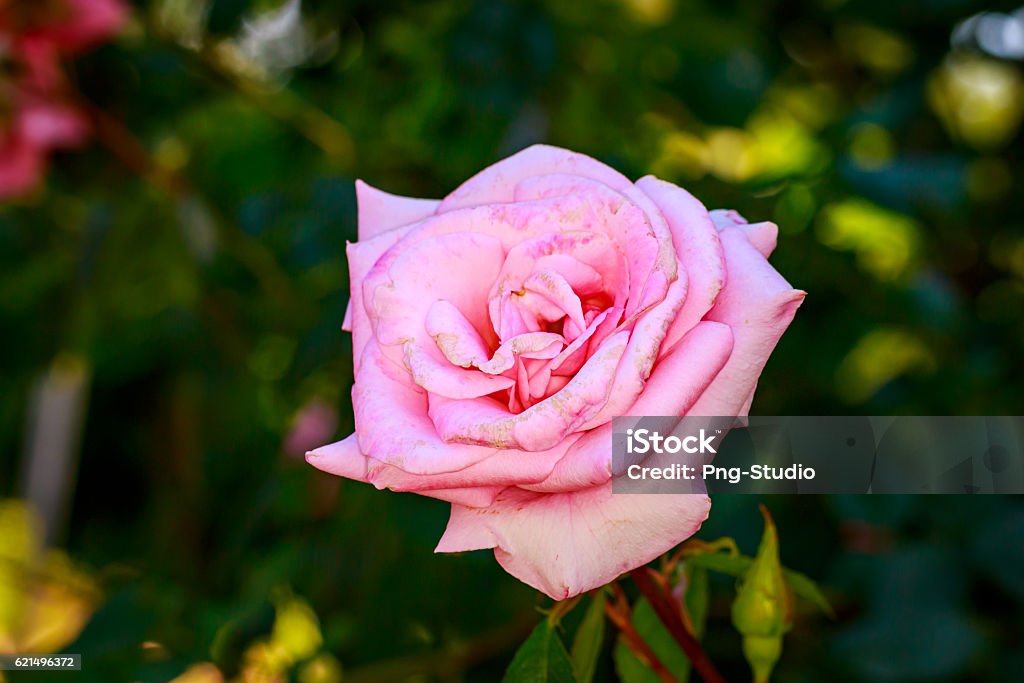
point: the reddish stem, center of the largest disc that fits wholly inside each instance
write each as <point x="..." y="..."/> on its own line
<point x="619" y="614"/>
<point x="662" y="603"/>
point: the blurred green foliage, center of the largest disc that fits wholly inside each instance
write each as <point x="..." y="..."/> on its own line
<point x="193" y="259"/>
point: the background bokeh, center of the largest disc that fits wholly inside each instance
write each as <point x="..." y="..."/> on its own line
<point x="172" y="298"/>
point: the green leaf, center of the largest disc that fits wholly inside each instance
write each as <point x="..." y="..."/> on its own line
<point x="697" y="597"/>
<point x="586" y="646"/>
<point x="807" y="589"/>
<point x="737" y="565"/>
<point x="654" y="633"/>
<point x="541" y="659"/>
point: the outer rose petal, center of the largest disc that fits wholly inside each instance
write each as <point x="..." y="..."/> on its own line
<point x="380" y="212"/>
<point x="762" y="235"/>
<point x="758" y="304"/>
<point x="497" y="183"/>
<point x="392" y="422"/>
<point x="566" y="543"/>
<point x="699" y="249"/>
<point x="362" y="256"/>
<point x="344" y="459"/>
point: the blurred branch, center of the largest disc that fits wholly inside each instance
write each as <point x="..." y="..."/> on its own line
<point x="450" y="662"/>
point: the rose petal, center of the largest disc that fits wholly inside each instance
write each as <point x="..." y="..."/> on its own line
<point x="381" y="211"/>
<point x="763" y="236"/>
<point x="436" y="374"/>
<point x="362" y="258"/>
<point x="566" y="543"/>
<point x="344" y="459"/>
<point x="393" y="424"/>
<point x="456" y="267"/>
<point x="455" y="336"/>
<point x="501" y="469"/>
<point x="641" y="354"/>
<point x="497" y="183"/>
<point x="678" y="380"/>
<point x="758" y="304"/>
<point x="631" y="219"/>
<point x="543" y="425"/>
<point x="698" y="247"/>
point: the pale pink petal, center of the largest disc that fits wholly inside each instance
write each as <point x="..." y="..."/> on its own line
<point x="457" y="268"/>
<point x="678" y="380"/>
<point x="642" y="234"/>
<point x="554" y="289"/>
<point x="529" y="345"/>
<point x="520" y="175"/>
<point x="381" y="211"/>
<point x="455" y="336"/>
<point x="497" y="183"/>
<point x="758" y="304"/>
<point x="436" y="374"/>
<point x="474" y="497"/>
<point x="346" y="323"/>
<point x="362" y="257"/>
<point x="505" y="467"/>
<point x="392" y="421"/>
<point x="591" y="262"/>
<point x="699" y="250"/>
<point x="344" y="459"/>
<point x="645" y="341"/>
<point x="762" y="235"/>
<point x="567" y="543"/>
<point x="726" y="218"/>
<point x="543" y="425"/>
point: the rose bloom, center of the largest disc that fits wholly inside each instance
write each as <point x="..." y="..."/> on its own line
<point x="497" y="332"/>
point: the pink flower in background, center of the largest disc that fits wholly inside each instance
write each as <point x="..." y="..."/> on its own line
<point x="68" y="26"/>
<point x="35" y="114"/>
<point x="313" y="424"/>
<point x="497" y="332"/>
<point x="35" y="127"/>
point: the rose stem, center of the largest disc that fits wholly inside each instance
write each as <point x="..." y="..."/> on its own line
<point x="670" y="618"/>
<point x="620" y="616"/>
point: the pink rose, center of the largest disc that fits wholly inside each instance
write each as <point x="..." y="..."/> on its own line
<point x="497" y="332"/>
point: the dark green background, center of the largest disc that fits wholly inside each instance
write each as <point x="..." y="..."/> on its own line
<point x="206" y="300"/>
